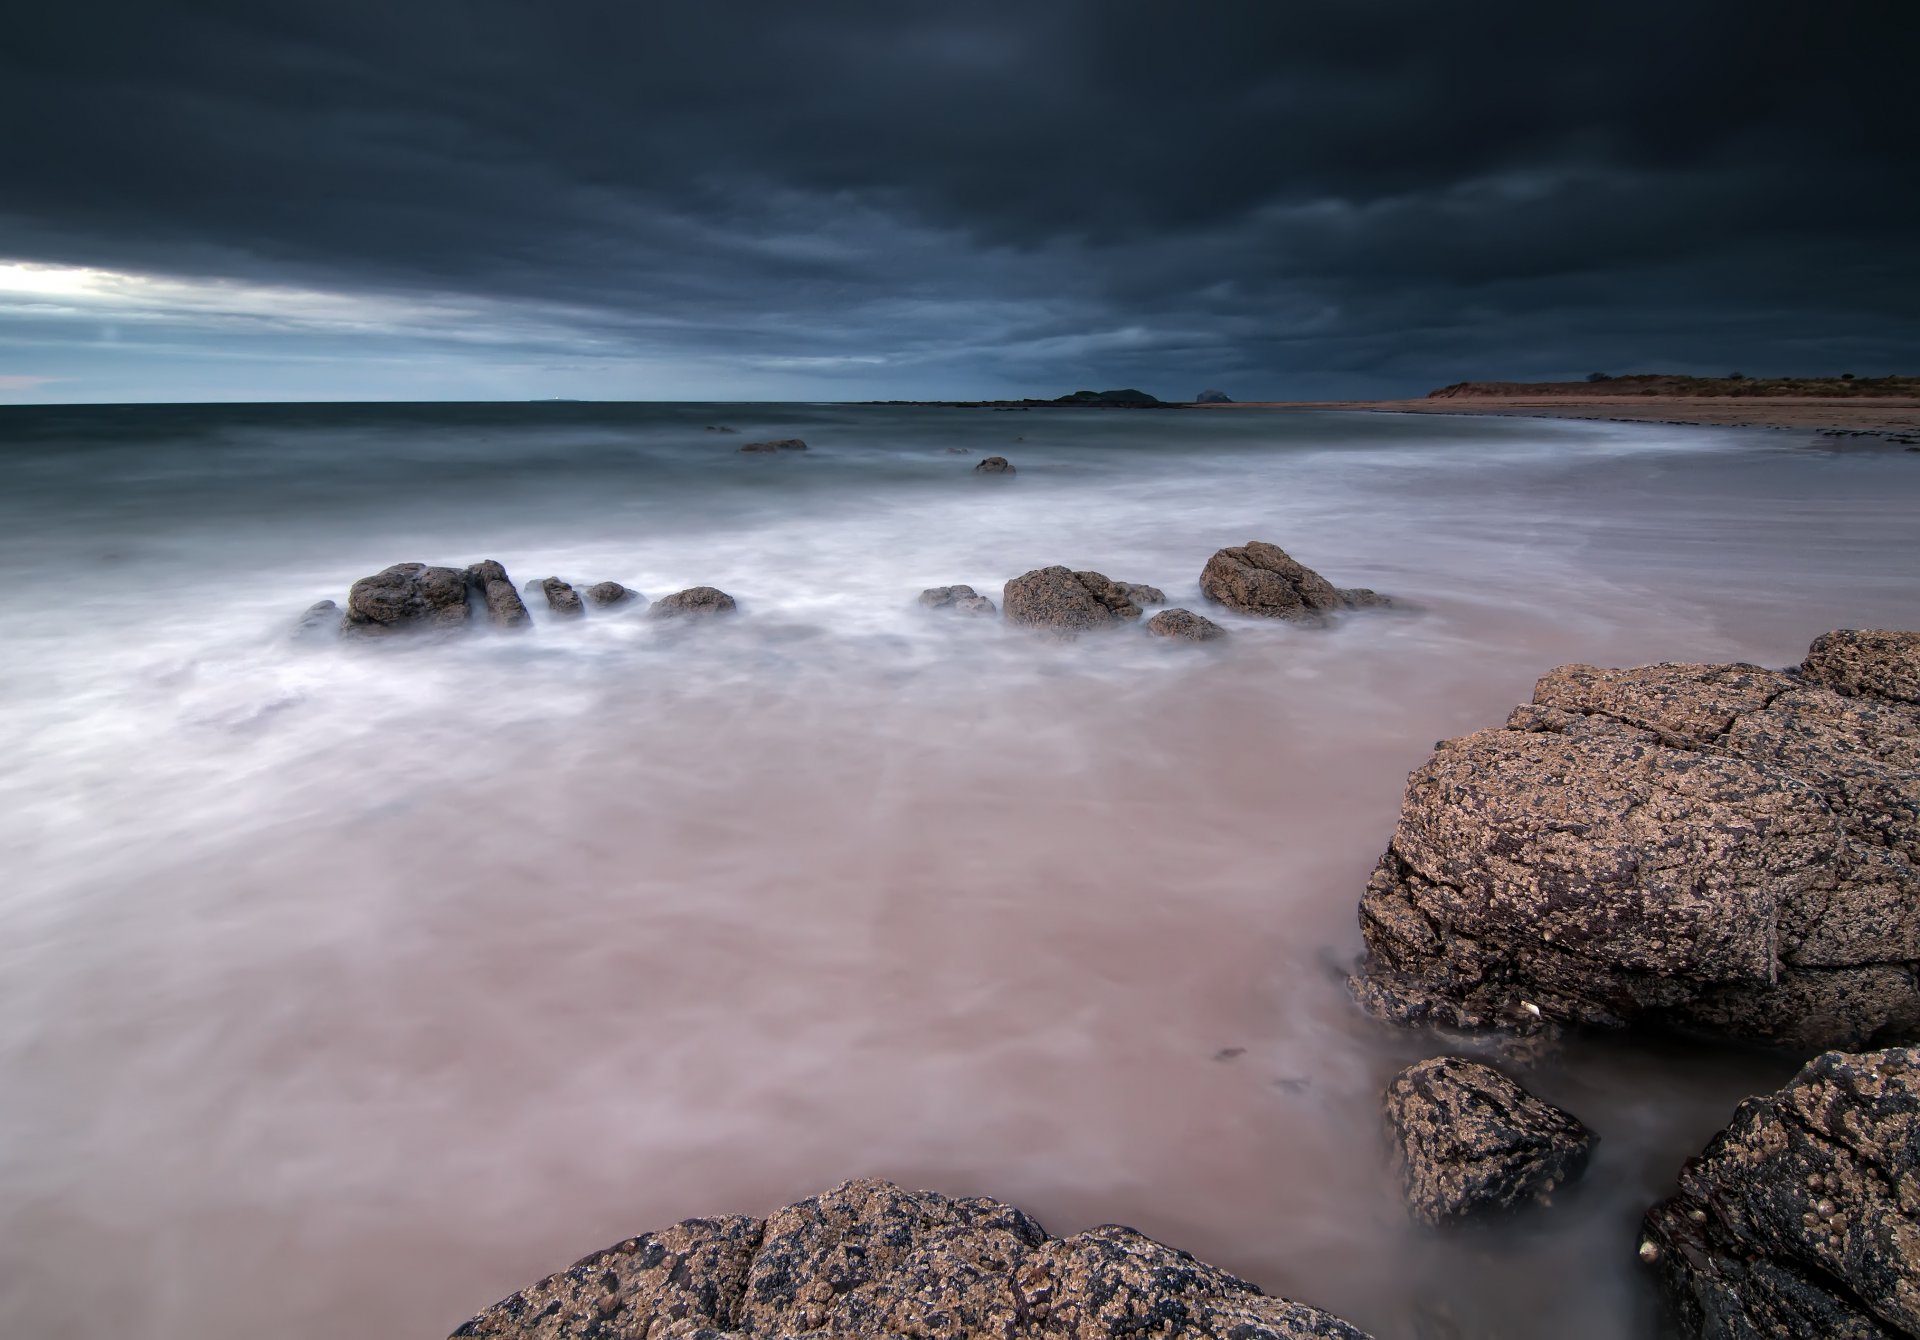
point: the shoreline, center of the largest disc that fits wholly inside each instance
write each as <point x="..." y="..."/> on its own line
<point x="1895" y="418"/>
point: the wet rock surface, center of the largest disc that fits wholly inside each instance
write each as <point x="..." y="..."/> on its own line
<point x="504" y="607"/>
<point x="994" y="465"/>
<point x="1802" y="1218"/>
<point x="1185" y="625"/>
<point x="1263" y="579"/>
<point x="406" y="597"/>
<point x="1720" y="847"/>
<point x="1470" y="1139"/>
<point x="562" y="599"/>
<point x="1067" y="601"/>
<point x="868" y="1259"/>
<point x="693" y="603"/>
<point x="775" y="444"/>
<point x="603" y="594"/>
<point x="958" y="600"/>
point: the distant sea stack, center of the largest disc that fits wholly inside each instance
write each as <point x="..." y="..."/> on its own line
<point x="1125" y="396"/>
<point x="1213" y="398"/>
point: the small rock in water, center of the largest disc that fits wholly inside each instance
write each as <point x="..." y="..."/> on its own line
<point x="505" y="609"/>
<point x="1142" y="594"/>
<point x="1229" y="1053"/>
<point x="995" y="465"/>
<point x="776" y="444"/>
<point x="608" y="593"/>
<point x="720" y="428"/>
<point x="695" y="602"/>
<point x="1261" y="578"/>
<point x="1066" y="601"/>
<point x="959" y="599"/>
<point x="562" y="599"/>
<point x="1184" y="624"/>
<point x="1470" y="1139"/>
<point x="323" y="616"/>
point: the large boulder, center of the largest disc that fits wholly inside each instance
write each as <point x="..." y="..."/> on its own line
<point x="1468" y="1138"/>
<point x="1802" y="1218"/>
<point x="868" y="1259"/>
<point x="958" y="600"/>
<point x="696" y="602"/>
<point x="1067" y="601"/>
<point x="1184" y="625"/>
<point x="407" y="596"/>
<point x="1261" y="578"/>
<point x="1719" y="847"/>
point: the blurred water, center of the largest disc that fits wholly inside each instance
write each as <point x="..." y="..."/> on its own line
<point x="345" y="988"/>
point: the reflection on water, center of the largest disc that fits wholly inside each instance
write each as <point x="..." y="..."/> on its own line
<point x="345" y="988"/>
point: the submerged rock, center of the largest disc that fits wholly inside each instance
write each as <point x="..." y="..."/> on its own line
<point x="407" y="596"/>
<point x="1261" y="578"/>
<point x="1468" y="1139"/>
<point x="608" y="593"/>
<point x="1141" y="594"/>
<point x="1802" y="1218"/>
<point x="562" y="599"/>
<point x="959" y="599"/>
<point x="868" y="1259"/>
<point x="1062" y="599"/>
<point x="995" y="465"/>
<point x="694" y="602"/>
<point x="1720" y="847"/>
<point x="1184" y="624"/>
<point x="776" y="444"/>
<point x="323" y="616"/>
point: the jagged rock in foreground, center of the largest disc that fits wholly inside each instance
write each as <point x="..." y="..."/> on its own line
<point x="609" y="593"/>
<point x="694" y="602"/>
<point x="1184" y="624"/>
<point x="1719" y="847"/>
<point x="778" y="444"/>
<point x="1067" y="601"/>
<point x="1802" y="1218"/>
<point x="1261" y="578"/>
<point x="1469" y="1138"/>
<point x="562" y="599"/>
<point x="995" y="465"/>
<point x="868" y="1259"/>
<point x="1874" y="662"/>
<point x="958" y="599"/>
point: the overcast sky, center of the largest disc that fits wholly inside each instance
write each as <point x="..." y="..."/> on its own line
<point x="504" y="199"/>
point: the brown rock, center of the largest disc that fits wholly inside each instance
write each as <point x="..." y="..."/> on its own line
<point x="1261" y="578"/>
<point x="504" y="606"/>
<point x="1469" y="1139"/>
<point x="1179" y="623"/>
<point x="1067" y="601"/>
<point x="868" y="1259"/>
<point x="777" y="444"/>
<point x="1877" y="662"/>
<point x="694" y="602"/>
<point x="407" y="596"/>
<point x="608" y="593"/>
<point x="562" y="599"/>
<point x="958" y="599"/>
<point x="1141" y="594"/>
<point x="1802" y="1218"/>
<point x="995" y="465"/>
<point x="1720" y="847"/>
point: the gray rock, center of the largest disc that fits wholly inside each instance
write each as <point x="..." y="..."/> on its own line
<point x="321" y="617"/>
<point x="869" y="1260"/>
<point x="696" y="602"/>
<point x="958" y="599"/>
<point x="995" y="465"/>
<point x="503" y="604"/>
<point x="562" y="599"/>
<point x="1066" y="601"/>
<point x="406" y="597"/>
<point x="1802" y="1218"/>
<point x="1213" y="398"/>
<point x="1263" y="579"/>
<point x="776" y="444"/>
<point x="1468" y="1139"/>
<point x="608" y="593"/>
<point x="1184" y="624"/>
<point x="1719" y="847"/>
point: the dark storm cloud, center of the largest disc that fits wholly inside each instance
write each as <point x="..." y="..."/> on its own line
<point x="1300" y="199"/>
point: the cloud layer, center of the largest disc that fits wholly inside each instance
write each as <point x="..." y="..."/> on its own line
<point x="840" y="200"/>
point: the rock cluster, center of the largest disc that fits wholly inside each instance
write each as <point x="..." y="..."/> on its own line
<point x="959" y="600"/>
<point x="1721" y="847"/>
<point x="1263" y="579"/>
<point x="1802" y="1218"/>
<point x="1468" y="1138"/>
<point x="410" y="596"/>
<point x="868" y="1259"/>
<point x="1066" y="601"/>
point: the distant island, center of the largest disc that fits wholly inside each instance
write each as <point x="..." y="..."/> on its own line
<point x="1125" y="398"/>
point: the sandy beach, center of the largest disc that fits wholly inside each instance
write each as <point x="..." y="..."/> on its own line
<point x="1895" y="416"/>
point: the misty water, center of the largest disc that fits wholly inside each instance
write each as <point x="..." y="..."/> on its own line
<point x="345" y="988"/>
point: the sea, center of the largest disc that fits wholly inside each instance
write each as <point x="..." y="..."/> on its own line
<point x="349" y="985"/>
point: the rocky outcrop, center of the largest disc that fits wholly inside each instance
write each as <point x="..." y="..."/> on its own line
<point x="776" y="444"/>
<point x="1866" y="662"/>
<point x="562" y="599"/>
<point x="958" y="600"/>
<point x="1184" y="624"/>
<point x="603" y="594"/>
<point x="407" y="596"/>
<point x="503" y="604"/>
<point x="994" y="465"/>
<point x="696" y="602"/>
<point x="1802" y="1218"/>
<point x="1067" y="601"/>
<point x="1720" y="847"/>
<point x="1468" y="1138"/>
<point x="1261" y="578"/>
<point x="868" y="1259"/>
<point x="1213" y="398"/>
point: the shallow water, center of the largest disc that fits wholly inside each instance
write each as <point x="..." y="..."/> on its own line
<point x="346" y="988"/>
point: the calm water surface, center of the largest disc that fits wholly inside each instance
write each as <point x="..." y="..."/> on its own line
<point x="346" y="988"/>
